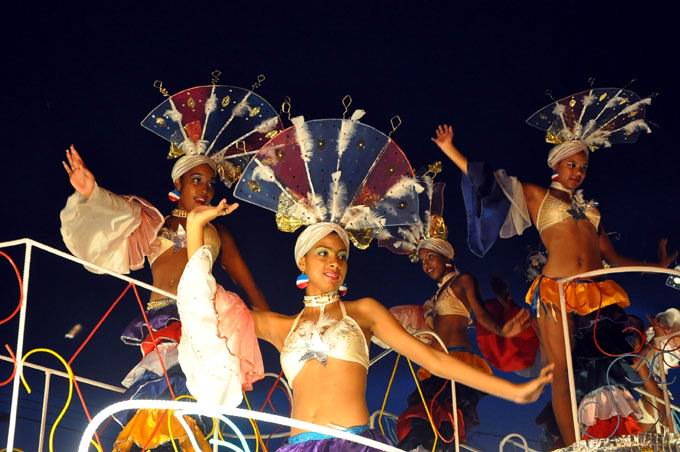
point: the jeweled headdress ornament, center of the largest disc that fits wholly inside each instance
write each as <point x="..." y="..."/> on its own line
<point x="333" y="170"/>
<point x="586" y="121"/>
<point x="225" y="123"/>
<point x="430" y="223"/>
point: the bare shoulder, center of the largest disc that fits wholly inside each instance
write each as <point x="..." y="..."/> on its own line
<point x="533" y="192"/>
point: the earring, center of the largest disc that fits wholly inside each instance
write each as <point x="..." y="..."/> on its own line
<point x="174" y="195"/>
<point x="342" y="290"/>
<point x="302" y="281"/>
<point x="554" y="176"/>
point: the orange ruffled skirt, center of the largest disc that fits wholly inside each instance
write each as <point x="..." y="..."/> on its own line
<point x="582" y="296"/>
<point x="143" y="430"/>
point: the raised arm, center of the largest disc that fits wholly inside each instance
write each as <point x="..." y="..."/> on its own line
<point x="81" y="178"/>
<point x="511" y="328"/>
<point x="614" y="259"/>
<point x="386" y="328"/>
<point x="444" y="140"/>
<point x="232" y="262"/>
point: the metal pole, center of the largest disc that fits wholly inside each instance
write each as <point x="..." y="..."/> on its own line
<point x="43" y="418"/>
<point x="20" y="350"/>
<point x="666" y="398"/>
<point x="570" y="366"/>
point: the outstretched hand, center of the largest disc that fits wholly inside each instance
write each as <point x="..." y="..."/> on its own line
<point x="518" y="323"/>
<point x="530" y="391"/>
<point x="665" y="259"/>
<point x="80" y="177"/>
<point x="202" y="215"/>
<point x="443" y="136"/>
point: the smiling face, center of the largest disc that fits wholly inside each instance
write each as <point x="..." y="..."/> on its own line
<point x="325" y="265"/>
<point x="196" y="187"/>
<point x="433" y="264"/>
<point x="571" y="172"/>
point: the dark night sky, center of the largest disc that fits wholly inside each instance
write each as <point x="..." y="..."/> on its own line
<point x="84" y="74"/>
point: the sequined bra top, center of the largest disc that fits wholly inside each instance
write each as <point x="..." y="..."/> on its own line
<point x="326" y="338"/>
<point x="446" y="302"/>
<point x="167" y="238"/>
<point x="553" y="211"/>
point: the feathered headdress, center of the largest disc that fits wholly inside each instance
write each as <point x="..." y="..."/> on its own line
<point x="333" y="170"/>
<point x="430" y="223"/>
<point x="225" y="123"/>
<point x="591" y="119"/>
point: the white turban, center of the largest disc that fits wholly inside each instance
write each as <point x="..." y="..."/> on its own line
<point x="440" y="246"/>
<point x="564" y="150"/>
<point x="312" y="234"/>
<point x="187" y="162"/>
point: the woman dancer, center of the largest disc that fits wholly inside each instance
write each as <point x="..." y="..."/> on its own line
<point x="568" y="225"/>
<point x="450" y="313"/>
<point x="213" y="130"/>
<point x="344" y="180"/>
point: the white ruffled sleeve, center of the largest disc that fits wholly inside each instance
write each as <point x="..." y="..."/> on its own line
<point x="112" y="231"/>
<point x="212" y="372"/>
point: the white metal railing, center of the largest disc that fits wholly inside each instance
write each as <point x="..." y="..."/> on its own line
<point x="184" y="406"/>
<point x="567" y="336"/>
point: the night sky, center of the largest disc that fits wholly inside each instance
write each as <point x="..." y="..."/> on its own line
<point x="84" y="75"/>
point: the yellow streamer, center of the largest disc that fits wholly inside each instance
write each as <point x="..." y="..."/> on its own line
<point x="71" y="377"/>
<point x="427" y="409"/>
<point x="387" y="393"/>
<point x="256" y="430"/>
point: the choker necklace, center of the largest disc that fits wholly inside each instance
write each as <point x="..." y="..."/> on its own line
<point x="179" y="213"/>
<point x="557" y="186"/>
<point x="321" y="301"/>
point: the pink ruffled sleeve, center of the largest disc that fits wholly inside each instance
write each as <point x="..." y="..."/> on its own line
<point x="235" y="324"/>
<point x="112" y="231"/>
<point x="218" y="352"/>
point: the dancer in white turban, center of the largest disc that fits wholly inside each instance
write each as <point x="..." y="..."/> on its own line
<point x="569" y="226"/>
<point x="212" y="129"/>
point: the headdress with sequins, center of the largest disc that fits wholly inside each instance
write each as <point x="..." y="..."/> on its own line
<point x="430" y="224"/>
<point x="224" y="123"/>
<point x="333" y="170"/>
<point x="588" y="120"/>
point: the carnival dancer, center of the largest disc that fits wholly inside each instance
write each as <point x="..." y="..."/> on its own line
<point x="214" y="130"/>
<point x="344" y="181"/>
<point x="450" y="313"/>
<point x="569" y="227"/>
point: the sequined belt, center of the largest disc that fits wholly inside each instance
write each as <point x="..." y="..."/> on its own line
<point x="154" y="305"/>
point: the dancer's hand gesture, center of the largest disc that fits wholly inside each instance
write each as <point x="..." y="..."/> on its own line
<point x="80" y="177"/>
<point x="530" y="391"/>
<point x="202" y="215"/>
<point x="518" y="323"/>
<point x="443" y="136"/>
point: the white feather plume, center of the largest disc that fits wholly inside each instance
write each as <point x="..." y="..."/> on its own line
<point x="210" y="104"/>
<point x="267" y="125"/>
<point x="264" y="172"/>
<point x="304" y="138"/>
<point x="358" y="114"/>
<point x="347" y="130"/>
<point x="193" y="147"/>
<point x="319" y="207"/>
<point x="241" y="109"/>
<point x="338" y="198"/>
<point x="361" y="217"/>
<point x="403" y="188"/>
<point x="174" y="115"/>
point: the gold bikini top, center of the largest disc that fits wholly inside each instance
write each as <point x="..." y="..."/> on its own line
<point x="553" y="210"/>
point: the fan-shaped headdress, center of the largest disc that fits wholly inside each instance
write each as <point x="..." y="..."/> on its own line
<point x="333" y="171"/>
<point x="221" y="125"/>
<point x="430" y="230"/>
<point x="591" y="119"/>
